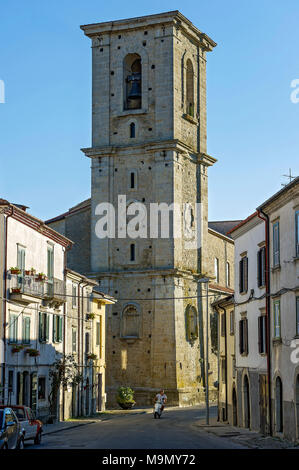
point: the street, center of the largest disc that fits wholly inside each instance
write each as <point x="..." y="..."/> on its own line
<point x="177" y="429"/>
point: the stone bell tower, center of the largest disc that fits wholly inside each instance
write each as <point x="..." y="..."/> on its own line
<point x="149" y="145"/>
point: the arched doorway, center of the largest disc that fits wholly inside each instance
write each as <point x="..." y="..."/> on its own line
<point x="235" y="416"/>
<point x="279" y="405"/>
<point x="297" y="404"/>
<point x="246" y="400"/>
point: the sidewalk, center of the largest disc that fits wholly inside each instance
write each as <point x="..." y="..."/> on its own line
<point x="65" y="425"/>
<point x="244" y="436"/>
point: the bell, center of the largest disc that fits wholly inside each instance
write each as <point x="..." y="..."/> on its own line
<point x="135" y="81"/>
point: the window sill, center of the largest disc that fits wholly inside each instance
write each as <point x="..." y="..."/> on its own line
<point x="276" y="341"/>
<point x="129" y="112"/>
<point x="295" y="258"/>
<point x="130" y="339"/>
<point x="244" y="354"/>
<point x="276" y="268"/>
<point x="190" y="119"/>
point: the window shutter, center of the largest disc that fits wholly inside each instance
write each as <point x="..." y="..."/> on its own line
<point x="259" y="268"/>
<point x="246" y="336"/>
<point x="54" y="328"/>
<point x="40" y="326"/>
<point x="241" y="336"/>
<point x="241" y="276"/>
<point x="47" y="321"/>
<point x="276" y="256"/>
<point x="260" y="338"/>
<point x="245" y="273"/>
<point x="60" y="328"/>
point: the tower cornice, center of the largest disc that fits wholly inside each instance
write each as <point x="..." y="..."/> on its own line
<point x="171" y="17"/>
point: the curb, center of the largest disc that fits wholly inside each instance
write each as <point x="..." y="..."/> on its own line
<point x="67" y="427"/>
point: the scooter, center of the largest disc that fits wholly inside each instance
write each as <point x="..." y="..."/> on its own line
<point x="158" y="410"/>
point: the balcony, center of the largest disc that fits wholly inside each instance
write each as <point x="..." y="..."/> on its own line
<point x="32" y="289"/>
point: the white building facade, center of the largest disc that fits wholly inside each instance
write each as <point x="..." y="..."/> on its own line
<point x="250" y="323"/>
<point x="33" y="306"/>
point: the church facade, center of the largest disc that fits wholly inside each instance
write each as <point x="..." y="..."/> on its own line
<point x="149" y="148"/>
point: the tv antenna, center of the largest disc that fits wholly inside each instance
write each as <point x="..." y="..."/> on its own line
<point x="289" y="176"/>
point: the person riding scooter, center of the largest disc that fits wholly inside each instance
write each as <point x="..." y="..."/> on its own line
<point x="160" y="400"/>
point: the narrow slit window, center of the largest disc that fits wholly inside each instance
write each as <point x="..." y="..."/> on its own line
<point x="132" y="252"/>
<point x="132" y="130"/>
<point x="132" y="180"/>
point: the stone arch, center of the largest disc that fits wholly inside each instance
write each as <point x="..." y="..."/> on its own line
<point x="132" y="69"/>
<point x="189" y="88"/>
<point x="246" y="401"/>
<point x="131" y="321"/>
<point x="128" y="56"/>
<point x="191" y="320"/>
<point x="278" y="404"/>
<point x="188" y="71"/>
<point x="234" y="407"/>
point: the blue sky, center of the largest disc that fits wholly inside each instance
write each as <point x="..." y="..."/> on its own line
<point x="45" y="63"/>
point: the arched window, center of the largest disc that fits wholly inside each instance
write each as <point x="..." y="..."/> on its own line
<point x="191" y="323"/>
<point x="279" y="405"/>
<point x="132" y="130"/>
<point x="190" y="89"/>
<point x="131" y="322"/>
<point x="132" y="81"/>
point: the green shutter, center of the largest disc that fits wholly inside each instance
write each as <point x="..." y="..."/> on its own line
<point x="47" y="318"/>
<point x="60" y="324"/>
<point x="40" y="328"/>
<point x="54" y="328"/>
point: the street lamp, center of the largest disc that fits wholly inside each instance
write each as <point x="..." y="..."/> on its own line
<point x="206" y="281"/>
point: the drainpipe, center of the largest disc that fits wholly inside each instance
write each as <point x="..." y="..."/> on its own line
<point x="82" y="334"/>
<point x="67" y="248"/>
<point x="225" y="352"/>
<point x="4" y="301"/>
<point x="268" y="311"/>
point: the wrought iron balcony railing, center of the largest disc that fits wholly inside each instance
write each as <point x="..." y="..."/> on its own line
<point x="34" y="286"/>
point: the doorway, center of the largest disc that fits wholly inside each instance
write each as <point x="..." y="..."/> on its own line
<point x="246" y="400"/>
<point x="235" y="418"/>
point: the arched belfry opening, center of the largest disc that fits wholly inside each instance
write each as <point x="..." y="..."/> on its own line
<point x="132" y="82"/>
<point x="190" y="89"/>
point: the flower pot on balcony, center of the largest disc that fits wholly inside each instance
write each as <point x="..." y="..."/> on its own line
<point x="41" y="277"/>
<point x="17" y="348"/>
<point x="15" y="271"/>
<point x="90" y="316"/>
<point x="15" y="290"/>
<point x="27" y="272"/>
<point x="93" y="357"/>
<point x="32" y="352"/>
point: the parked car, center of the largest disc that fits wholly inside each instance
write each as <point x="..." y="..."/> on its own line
<point x="32" y="427"/>
<point x="11" y="431"/>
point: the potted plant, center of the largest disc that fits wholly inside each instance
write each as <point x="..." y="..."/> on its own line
<point x="41" y="277"/>
<point x="32" y="271"/>
<point x="15" y="290"/>
<point x="17" y="348"/>
<point x="91" y="356"/>
<point x="32" y="352"/>
<point x="15" y="271"/>
<point x="27" y="272"/>
<point x="125" y="398"/>
<point x="90" y="316"/>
